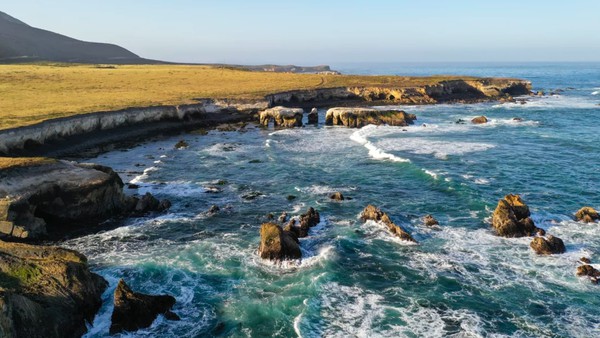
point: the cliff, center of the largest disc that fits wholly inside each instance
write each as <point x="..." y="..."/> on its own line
<point x="91" y="129"/>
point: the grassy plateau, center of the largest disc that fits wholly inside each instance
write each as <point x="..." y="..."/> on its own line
<point x="32" y="93"/>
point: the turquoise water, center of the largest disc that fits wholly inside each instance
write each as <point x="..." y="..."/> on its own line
<point x="355" y="280"/>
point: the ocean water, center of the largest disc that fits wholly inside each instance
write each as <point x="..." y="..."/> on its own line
<point x="355" y="280"/>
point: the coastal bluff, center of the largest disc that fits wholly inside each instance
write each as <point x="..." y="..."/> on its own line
<point x="55" y="137"/>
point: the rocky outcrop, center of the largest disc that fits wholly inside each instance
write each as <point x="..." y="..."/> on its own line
<point x="134" y="311"/>
<point x="360" y="117"/>
<point x="587" y="215"/>
<point x="589" y="271"/>
<point x="313" y="116"/>
<point x="337" y="196"/>
<point x="479" y="120"/>
<point x="181" y="144"/>
<point x="46" y="292"/>
<point x="282" y="117"/>
<point x="375" y="214"/>
<point x="307" y="220"/>
<point x="56" y="196"/>
<point x="548" y="245"/>
<point x="277" y="244"/>
<point x="511" y="218"/>
<point x="429" y="221"/>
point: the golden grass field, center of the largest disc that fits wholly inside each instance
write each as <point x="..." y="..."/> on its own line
<point x="10" y="162"/>
<point x="31" y="93"/>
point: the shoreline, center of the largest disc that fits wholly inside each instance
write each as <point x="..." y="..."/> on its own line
<point x="67" y="135"/>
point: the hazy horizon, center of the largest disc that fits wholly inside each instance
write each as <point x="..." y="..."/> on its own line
<point x="335" y="32"/>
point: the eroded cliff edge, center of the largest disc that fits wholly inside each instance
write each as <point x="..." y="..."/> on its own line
<point x="113" y="126"/>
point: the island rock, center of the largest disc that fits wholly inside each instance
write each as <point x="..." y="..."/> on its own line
<point x="375" y="214"/>
<point x="547" y="246"/>
<point x="511" y="218"/>
<point x="587" y="215"/>
<point x="360" y="117"/>
<point x="479" y="120"/>
<point x="277" y="244"/>
<point x="282" y="117"/>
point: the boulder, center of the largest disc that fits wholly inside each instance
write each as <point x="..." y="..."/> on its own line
<point x="283" y="217"/>
<point x="337" y="196"/>
<point x="587" y="215"/>
<point x="375" y="214"/>
<point x="149" y="203"/>
<point x="134" y="311"/>
<point x="181" y="144"/>
<point x="46" y="292"/>
<point x="479" y="120"/>
<point x="313" y="116"/>
<point x="360" y="117"/>
<point x="585" y="260"/>
<point x="429" y="220"/>
<point x="277" y="244"/>
<point x="310" y="218"/>
<point x="547" y="246"/>
<point x="589" y="271"/>
<point x="282" y="117"/>
<point x="511" y="218"/>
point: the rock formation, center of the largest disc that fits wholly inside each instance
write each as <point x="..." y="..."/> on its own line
<point x="589" y="271"/>
<point x="38" y="200"/>
<point x="282" y="117"/>
<point x="337" y="196"/>
<point x="479" y="120"/>
<point x="135" y="311"/>
<point x="181" y="144"/>
<point x="46" y="292"/>
<point x="375" y="214"/>
<point x="587" y="215"/>
<point x="548" y="245"/>
<point x="429" y="220"/>
<point x="313" y="116"/>
<point x="360" y="117"/>
<point x="511" y="218"/>
<point x="278" y="244"/>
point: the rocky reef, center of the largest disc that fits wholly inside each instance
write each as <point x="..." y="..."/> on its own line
<point x="360" y="117"/>
<point x="587" y="215"/>
<point x="51" y="197"/>
<point x="46" y="292"/>
<point x="282" y="117"/>
<point x="375" y="214"/>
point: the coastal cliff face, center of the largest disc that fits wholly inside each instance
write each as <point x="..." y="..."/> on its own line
<point x="41" y="199"/>
<point x="445" y="91"/>
<point x="209" y="111"/>
<point x="46" y="292"/>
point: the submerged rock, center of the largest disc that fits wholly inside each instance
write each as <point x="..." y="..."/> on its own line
<point x="548" y="246"/>
<point x="282" y="117"/>
<point x="135" y="311"/>
<point x="429" y="220"/>
<point x="337" y="196"/>
<point x="313" y="116"/>
<point x="46" y="292"/>
<point x="375" y="214"/>
<point x="360" y="117"/>
<point x="511" y="218"/>
<point x="277" y="244"/>
<point x="181" y="144"/>
<point x="587" y="215"/>
<point x="479" y="120"/>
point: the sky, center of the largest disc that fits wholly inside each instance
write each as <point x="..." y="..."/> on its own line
<point x="326" y="32"/>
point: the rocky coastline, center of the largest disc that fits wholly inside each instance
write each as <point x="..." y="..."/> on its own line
<point x="45" y="200"/>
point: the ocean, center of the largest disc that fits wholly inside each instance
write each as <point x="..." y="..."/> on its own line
<point x="355" y="279"/>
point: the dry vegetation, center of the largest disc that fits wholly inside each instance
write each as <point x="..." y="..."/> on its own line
<point x="9" y="162"/>
<point x="36" y="92"/>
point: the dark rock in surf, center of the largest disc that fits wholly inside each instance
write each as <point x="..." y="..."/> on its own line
<point x="134" y="311"/>
<point x="587" y="215"/>
<point x="278" y="244"/>
<point x="479" y="120"/>
<point x="375" y="214"/>
<point x="511" y="218"/>
<point x="149" y="203"/>
<point x="548" y="246"/>
<point x="181" y="144"/>
<point x="589" y="271"/>
<point x="313" y="116"/>
<point x="337" y="196"/>
<point x="429" y="220"/>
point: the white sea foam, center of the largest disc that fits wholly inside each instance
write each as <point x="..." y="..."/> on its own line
<point x="424" y="146"/>
<point x="597" y="92"/>
<point x="316" y="189"/>
<point x="144" y="176"/>
<point x="557" y="101"/>
<point x="360" y="136"/>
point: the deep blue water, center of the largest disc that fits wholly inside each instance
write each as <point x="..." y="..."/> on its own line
<point x="355" y="280"/>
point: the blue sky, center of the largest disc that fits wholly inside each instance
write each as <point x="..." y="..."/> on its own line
<point x="311" y="32"/>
